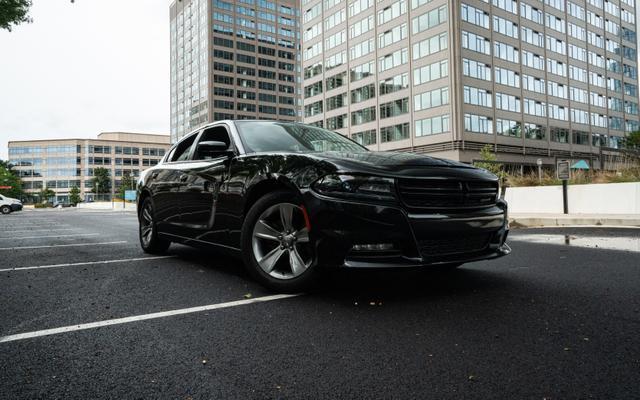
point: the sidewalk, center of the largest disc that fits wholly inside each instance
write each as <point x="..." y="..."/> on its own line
<point x="551" y="220"/>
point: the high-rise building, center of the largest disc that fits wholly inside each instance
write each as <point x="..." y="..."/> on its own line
<point x="60" y="164"/>
<point x="236" y="59"/>
<point x="535" y="79"/>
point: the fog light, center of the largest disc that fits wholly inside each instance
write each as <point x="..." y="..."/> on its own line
<point x="373" y="247"/>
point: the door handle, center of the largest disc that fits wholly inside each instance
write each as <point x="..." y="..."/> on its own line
<point x="183" y="177"/>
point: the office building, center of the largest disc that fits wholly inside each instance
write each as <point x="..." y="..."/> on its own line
<point x="236" y="59"/>
<point x="534" y="79"/>
<point x="64" y="163"/>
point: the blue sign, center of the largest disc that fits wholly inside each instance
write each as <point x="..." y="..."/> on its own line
<point x="130" y="195"/>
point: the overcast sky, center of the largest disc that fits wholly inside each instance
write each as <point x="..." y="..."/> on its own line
<point x="84" y="68"/>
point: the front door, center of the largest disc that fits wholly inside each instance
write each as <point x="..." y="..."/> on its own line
<point x="165" y="182"/>
<point x="202" y="178"/>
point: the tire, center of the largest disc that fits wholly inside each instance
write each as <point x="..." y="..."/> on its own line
<point x="277" y="248"/>
<point x="5" y="210"/>
<point x="147" y="231"/>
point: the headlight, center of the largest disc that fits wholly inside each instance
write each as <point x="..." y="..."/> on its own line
<point x="354" y="187"/>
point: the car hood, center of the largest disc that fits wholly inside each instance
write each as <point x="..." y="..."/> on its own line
<point x="401" y="164"/>
<point x="12" y="200"/>
<point x="391" y="159"/>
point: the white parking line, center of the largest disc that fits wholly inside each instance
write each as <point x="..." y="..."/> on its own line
<point x="143" y="317"/>
<point x="62" y="245"/>
<point x="41" y="230"/>
<point x="49" y="236"/>
<point x="86" y="263"/>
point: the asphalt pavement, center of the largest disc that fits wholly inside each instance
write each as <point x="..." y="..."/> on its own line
<point x="86" y="314"/>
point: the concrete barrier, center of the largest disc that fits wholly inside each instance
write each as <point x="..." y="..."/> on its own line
<point x="607" y="198"/>
<point x="107" y="205"/>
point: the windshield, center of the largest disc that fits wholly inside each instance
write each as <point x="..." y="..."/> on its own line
<point x="258" y="136"/>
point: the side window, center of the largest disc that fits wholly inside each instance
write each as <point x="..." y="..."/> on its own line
<point x="213" y="134"/>
<point x="183" y="150"/>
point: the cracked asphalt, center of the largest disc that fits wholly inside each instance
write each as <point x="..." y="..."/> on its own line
<point x="551" y="321"/>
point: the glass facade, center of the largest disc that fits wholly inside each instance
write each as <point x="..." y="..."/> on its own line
<point x="61" y="165"/>
<point x="558" y="75"/>
<point x="246" y="39"/>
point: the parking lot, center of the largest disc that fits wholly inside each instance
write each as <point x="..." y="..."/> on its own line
<point x="86" y="314"/>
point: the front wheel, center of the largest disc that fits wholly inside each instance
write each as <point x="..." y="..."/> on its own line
<point x="277" y="247"/>
<point x="148" y="232"/>
<point x="5" y="210"/>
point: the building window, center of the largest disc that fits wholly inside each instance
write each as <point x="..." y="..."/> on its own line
<point x="363" y="93"/>
<point x="394" y="84"/>
<point x="559" y="135"/>
<point x="394" y="133"/>
<point x="313" y="89"/>
<point x="507" y="102"/>
<point x="431" y="99"/>
<point x="362" y="71"/>
<point x="478" y="123"/>
<point x="365" y="138"/>
<point x="430" y="46"/>
<point x="337" y="122"/>
<point x="392" y="36"/>
<point x="477" y="96"/>
<point x="429" y="19"/>
<point x="394" y="108"/>
<point x="474" y="15"/>
<point x="337" y="101"/>
<point x="313" y="109"/>
<point x="432" y="126"/>
<point x="535" y="107"/>
<point x="363" y="116"/>
<point x="506" y="127"/>
<point x="431" y="72"/>
<point x="336" y="81"/>
<point x="507" y="77"/>
<point x="534" y="131"/>
<point x="393" y="60"/>
<point x="476" y="43"/>
<point x="391" y="12"/>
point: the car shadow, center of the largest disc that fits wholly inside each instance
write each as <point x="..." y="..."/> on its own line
<point x="368" y="284"/>
<point x="407" y="284"/>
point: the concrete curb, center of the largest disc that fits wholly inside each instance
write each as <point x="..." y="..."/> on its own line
<point x="540" y="221"/>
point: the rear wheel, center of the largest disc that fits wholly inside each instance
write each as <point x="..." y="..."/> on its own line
<point x="277" y="248"/>
<point x="148" y="232"/>
<point x="5" y="210"/>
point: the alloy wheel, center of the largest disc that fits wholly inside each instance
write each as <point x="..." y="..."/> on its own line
<point x="280" y="241"/>
<point x="146" y="224"/>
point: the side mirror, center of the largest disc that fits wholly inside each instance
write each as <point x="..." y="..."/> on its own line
<point x="212" y="147"/>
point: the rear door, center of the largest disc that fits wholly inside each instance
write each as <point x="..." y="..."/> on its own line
<point x="200" y="187"/>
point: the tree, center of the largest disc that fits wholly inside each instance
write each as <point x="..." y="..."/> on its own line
<point x="46" y="194"/>
<point x="8" y="177"/>
<point x="127" y="183"/>
<point x="101" y="181"/>
<point x="487" y="155"/>
<point x="74" y="195"/>
<point x="632" y="141"/>
<point x="14" y="12"/>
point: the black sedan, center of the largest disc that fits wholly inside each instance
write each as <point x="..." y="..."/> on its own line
<point x="293" y="198"/>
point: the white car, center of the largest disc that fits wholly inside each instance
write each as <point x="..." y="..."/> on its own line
<point x="9" y="205"/>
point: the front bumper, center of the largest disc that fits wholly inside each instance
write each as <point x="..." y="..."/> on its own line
<point x="16" y="207"/>
<point x="419" y="239"/>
